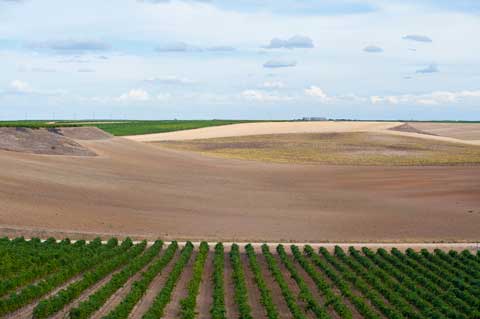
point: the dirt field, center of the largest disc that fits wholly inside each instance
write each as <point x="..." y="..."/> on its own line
<point x="464" y="131"/>
<point x="352" y="148"/>
<point x="148" y="192"/>
<point x="40" y="141"/>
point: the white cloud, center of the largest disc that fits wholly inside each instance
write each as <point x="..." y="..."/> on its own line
<point x="163" y="96"/>
<point x="170" y="80"/>
<point x="318" y="93"/>
<point x="20" y="87"/>
<point x="432" y="68"/>
<point x="433" y="98"/>
<point x="71" y="46"/>
<point x="259" y="96"/>
<point x="135" y="95"/>
<point x="85" y="70"/>
<point x="297" y="41"/>
<point x="279" y="64"/>
<point x="221" y="48"/>
<point x="372" y="49"/>
<point x="417" y="38"/>
<point x="273" y="85"/>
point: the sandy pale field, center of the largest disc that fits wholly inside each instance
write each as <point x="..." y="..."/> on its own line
<point x="456" y="133"/>
<point x="149" y="192"/>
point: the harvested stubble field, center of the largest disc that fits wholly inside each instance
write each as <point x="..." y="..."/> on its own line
<point x="111" y="280"/>
<point x="352" y="148"/>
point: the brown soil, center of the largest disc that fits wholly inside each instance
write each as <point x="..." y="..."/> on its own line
<point x="40" y="141"/>
<point x="408" y="128"/>
<point x="150" y="192"/>
<point x="180" y="291"/>
<point x="84" y="133"/>
<point x="463" y="131"/>
<point x="155" y="286"/>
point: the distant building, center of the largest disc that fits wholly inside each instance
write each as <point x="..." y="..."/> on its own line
<point x="314" y="118"/>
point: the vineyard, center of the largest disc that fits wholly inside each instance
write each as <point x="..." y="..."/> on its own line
<point x="113" y="279"/>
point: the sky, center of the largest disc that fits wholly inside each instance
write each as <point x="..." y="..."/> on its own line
<point x="240" y="59"/>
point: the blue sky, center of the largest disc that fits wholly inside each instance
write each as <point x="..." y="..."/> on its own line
<point x="262" y="59"/>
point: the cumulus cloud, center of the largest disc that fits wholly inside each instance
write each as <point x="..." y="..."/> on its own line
<point x="85" y="70"/>
<point x="220" y="48"/>
<point x="417" y="38"/>
<point x="179" y="47"/>
<point x="71" y="46"/>
<point x="135" y="95"/>
<point x="176" y="47"/>
<point x="273" y="85"/>
<point x="163" y="96"/>
<point x="433" y="98"/>
<point x="318" y="93"/>
<point x="373" y="49"/>
<point x="259" y="96"/>
<point x="168" y="1"/>
<point x="297" y="41"/>
<point x="432" y="68"/>
<point x="20" y="87"/>
<point x="279" y="64"/>
<point x="170" y="80"/>
<point x="36" y="69"/>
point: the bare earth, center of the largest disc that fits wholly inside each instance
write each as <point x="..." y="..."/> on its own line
<point x="464" y="131"/>
<point x="40" y="141"/>
<point x="137" y="189"/>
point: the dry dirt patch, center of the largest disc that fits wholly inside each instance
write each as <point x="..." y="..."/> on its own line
<point x="462" y="131"/>
<point x="40" y="141"/>
<point x="84" y="133"/>
<point x="350" y="148"/>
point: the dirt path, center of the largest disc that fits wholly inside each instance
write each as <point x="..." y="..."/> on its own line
<point x="277" y="296"/>
<point x="118" y="296"/>
<point x="155" y="286"/>
<point x="230" y="305"/>
<point x="204" y="299"/>
<point x="254" y="295"/>
<point x="173" y="308"/>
